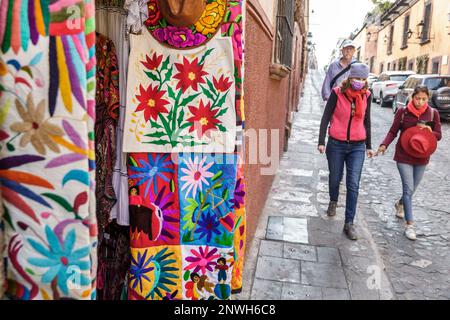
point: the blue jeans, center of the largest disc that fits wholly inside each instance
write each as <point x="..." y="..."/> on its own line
<point x="411" y="176"/>
<point x="352" y="155"/>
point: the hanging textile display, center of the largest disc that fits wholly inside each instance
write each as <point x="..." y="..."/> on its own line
<point x="111" y="19"/>
<point x="233" y="27"/>
<point x="2" y="247"/>
<point x="47" y="98"/>
<point x="187" y="214"/>
<point x="180" y="102"/>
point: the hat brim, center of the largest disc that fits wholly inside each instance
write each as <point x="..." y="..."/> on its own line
<point x="409" y="133"/>
<point x="189" y="37"/>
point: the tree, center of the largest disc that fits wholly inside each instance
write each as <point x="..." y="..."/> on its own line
<point x="382" y="5"/>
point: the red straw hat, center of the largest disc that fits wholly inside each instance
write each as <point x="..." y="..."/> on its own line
<point x="418" y="142"/>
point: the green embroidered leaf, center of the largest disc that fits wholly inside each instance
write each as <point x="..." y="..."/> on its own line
<point x="151" y="76"/>
<point x="158" y="142"/>
<point x="189" y="99"/>
<point x="217" y="175"/>
<point x="168" y="74"/>
<point x="60" y="200"/>
<point x="165" y="64"/>
<point x="155" y="134"/>
<point x="180" y="117"/>
<point x="202" y="197"/>
<point x="221" y="102"/>
<point x="206" y="206"/>
<point x="225" y="194"/>
<point x="133" y="162"/>
<point x="211" y="86"/>
<point x="7" y="217"/>
<point x="172" y="185"/>
<point x="187" y="237"/>
<point x="231" y="30"/>
<point x="155" y="125"/>
<point x="171" y="93"/>
<point x="221" y="128"/>
<point x="207" y="93"/>
<point x="218" y="186"/>
<point x="238" y="18"/>
<point x="30" y="271"/>
<point x="207" y="53"/>
<point x="222" y="112"/>
<point x="186" y="275"/>
<point x="227" y="16"/>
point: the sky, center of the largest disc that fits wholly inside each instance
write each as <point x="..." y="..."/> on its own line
<point x="333" y="19"/>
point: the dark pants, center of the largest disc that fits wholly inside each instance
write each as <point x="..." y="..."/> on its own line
<point x="352" y="155"/>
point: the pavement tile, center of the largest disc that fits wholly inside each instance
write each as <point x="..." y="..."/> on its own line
<point x="271" y="248"/>
<point x="323" y="275"/>
<point x="295" y="230"/>
<point x="278" y="269"/>
<point x="266" y="290"/>
<point x="300" y="292"/>
<point x="330" y="255"/>
<point x="300" y="252"/>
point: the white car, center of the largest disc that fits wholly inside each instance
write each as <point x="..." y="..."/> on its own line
<point x="386" y="87"/>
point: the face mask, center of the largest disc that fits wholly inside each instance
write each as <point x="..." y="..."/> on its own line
<point x="358" y="85"/>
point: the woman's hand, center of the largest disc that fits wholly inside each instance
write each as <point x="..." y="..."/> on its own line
<point x="381" y="149"/>
<point x="321" y="149"/>
<point x="424" y="126"/>
<point x="371" y="153"/>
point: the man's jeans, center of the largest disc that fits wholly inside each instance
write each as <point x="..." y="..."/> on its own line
<point x="411" y="176"/>
<point x="353" y="156"/>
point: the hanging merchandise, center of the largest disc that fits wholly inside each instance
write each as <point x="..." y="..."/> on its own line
<point x="187" y="215"/>
<point x="47" y="98"/>
<point x="2" y="246"/>
<point x="233" y="27"/>
<point x="111" y="19"/>
<point x="180" y="101"/>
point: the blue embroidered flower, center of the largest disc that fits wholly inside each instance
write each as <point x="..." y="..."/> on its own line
<point x="151" y="170"/>
<point x="207" y="226"/>
<point x="63" y="262"/>
<point x="139" y="269"/>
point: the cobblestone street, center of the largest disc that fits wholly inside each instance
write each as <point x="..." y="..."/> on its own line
<point x="300" y="253"/>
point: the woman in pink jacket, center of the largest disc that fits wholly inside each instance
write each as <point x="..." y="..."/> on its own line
<point x="348" y="115"/>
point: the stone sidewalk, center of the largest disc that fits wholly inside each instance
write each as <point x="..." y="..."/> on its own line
<point x="298" y="252"/>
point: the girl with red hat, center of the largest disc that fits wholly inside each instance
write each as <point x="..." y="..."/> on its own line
<point x="420" y="128"/>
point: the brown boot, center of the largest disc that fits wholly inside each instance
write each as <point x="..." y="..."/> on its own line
<point x="350" y="232"/>
<point x="331" y="212"/>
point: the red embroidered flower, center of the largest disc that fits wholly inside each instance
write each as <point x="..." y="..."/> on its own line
<point x="154" y="14"/>
<point x="153" y="63"/>
<point x="222" y="84"/>
<point x="190" y="74"/>
<point x="151" y="102"/>
<point x="3" y="135"/>
<point x="203" y="119"/>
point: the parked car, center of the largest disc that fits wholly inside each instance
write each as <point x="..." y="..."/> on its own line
<point x="371" y="79"/>
<point x="439" y="86"/>
<point x="386" y="87"/>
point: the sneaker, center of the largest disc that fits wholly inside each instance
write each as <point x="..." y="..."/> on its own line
<point x="410" y="233"/>
<point x="350" y="232"/>
<point x="331" y="212"/>
<point x="400" y="212"/>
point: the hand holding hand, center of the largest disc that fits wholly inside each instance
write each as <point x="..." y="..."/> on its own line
<point x="371" y="153"/>
<point x="321" y="149"/>
<point x="381" y="149"/>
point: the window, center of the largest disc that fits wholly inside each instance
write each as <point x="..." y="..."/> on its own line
<point x="435" y="68"/>
<point x="436" y="83"/>
<point x="399" y="77"/>
<point x="381" y="67"/>
<point x="285" y="32"/>
<point x="391" y="40"/>
<point x="394" y="67"/>
<point x="422" y="64"/>
<point x="405" y="33"/>
<point x="402" y="64"/>
<point x="372" y="63"/>
<point x="425" y="36"/>
<point x="411" y="65"/>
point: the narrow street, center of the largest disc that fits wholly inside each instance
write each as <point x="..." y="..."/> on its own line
<point x="300" y="253"/>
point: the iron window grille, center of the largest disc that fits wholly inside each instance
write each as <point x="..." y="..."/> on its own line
<point x="285" y="32"/>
